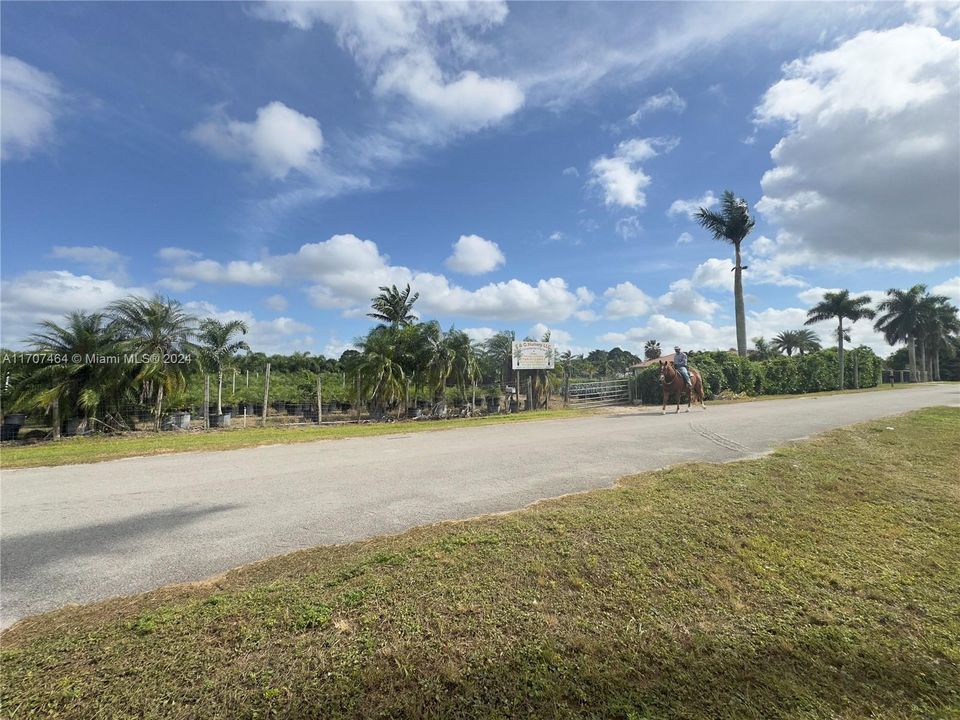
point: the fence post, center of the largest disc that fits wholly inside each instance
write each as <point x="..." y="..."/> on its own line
<point x="319" y="401"/>
<point x="856" y="370"/>
<point x="566" y="386"/>
<point x="358" y="397"/>
<point x="244" y="416"/>
<point x="266" y="393"/>
<point x="206" y="402"/>
<point x="530" y="392"/>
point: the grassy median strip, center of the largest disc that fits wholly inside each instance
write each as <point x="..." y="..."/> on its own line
<point x="113" y="447"/>
<point x="821" y="581"/>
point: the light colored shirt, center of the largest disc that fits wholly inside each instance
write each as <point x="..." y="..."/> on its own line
<point x="680" y="360"/>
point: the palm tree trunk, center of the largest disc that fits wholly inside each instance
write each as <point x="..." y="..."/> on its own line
<point x="912" y="357"/>
<point x="159" y="407"/>
<point x="936" y="360"/>
<point x="923" y="359"/>
<point x="738" y="304"/>
<point x="840" y="352"/>
<point x="220" y="392"/>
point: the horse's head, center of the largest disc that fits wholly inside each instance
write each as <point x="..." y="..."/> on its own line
<point x="667" y="372"/>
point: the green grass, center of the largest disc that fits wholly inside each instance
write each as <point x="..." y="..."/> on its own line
<point x="821" y="581"/>
<point x="111" y="447"/>
<point x="825" y="393"/>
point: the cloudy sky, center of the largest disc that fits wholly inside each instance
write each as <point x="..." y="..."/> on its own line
<point x="523" y="166"/>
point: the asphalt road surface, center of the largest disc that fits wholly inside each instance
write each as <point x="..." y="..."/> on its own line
<point x="81" y="533"/>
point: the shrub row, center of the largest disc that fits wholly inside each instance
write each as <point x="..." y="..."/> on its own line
<point x="814" y="372"/>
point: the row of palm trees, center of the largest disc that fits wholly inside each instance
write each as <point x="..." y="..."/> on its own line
<point x="138" y="351"/>
<point x="914" y="317"/>
<point x="923" y="321"/>
<point x="920" y="320"/>
<point x="402" y="353"/>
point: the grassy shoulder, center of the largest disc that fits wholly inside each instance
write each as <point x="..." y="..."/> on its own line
<point x="106" y="447"/>
<point x="820" y="581"/>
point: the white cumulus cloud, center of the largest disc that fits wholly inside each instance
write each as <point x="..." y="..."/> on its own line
<point x="474" y="255"/>
<point x="279" y="140"/>
<point x="620" y="177"/>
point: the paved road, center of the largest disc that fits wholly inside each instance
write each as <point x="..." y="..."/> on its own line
<point x="85" y="532"/>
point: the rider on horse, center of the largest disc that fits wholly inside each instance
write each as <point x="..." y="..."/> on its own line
<point x="680" y="363"/>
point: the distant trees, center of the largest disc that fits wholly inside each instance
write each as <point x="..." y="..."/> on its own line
<point x="803" y="341"/>
<point x="732" y="224"/>
<point x="651" y="350"/>
<point x="840" y="306"/>
<point x="762" y="349"/>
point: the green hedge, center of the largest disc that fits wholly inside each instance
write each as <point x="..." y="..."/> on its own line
<point x="724" y="371"/>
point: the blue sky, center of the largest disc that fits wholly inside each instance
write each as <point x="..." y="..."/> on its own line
<point x="523" y="166"/>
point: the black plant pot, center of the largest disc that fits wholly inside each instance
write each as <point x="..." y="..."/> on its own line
<point x="17" y="419"/>
<point x="220" y="420"/>
<point x="9" y="432"/>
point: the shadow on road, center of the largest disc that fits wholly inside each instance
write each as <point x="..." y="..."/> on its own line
<point x="25" y="555"/>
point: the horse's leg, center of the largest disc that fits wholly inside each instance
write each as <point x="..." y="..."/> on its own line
<point x="664" y="412"/>
<point x="679" y="396"/>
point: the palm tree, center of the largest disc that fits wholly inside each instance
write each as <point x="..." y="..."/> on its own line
<point x="499" y="352"/>
<point x="929" y="328"/>
<point x="394" y="306"/>
<point x="846" y="335"/>
<point x="732" y="224"/>
<point x="218" y="347"/>
<point x="159" y="331"/>
<point x="381" y="368"/>
<point x="807" y="341"/>
<point x="786" y="342"/>
<point x="841" y="306"/>
<point x="762" y="350"/>
<point x="651" y="350"/>
<point x="901" y="319"/>
<point x="85" y="379"/>
<point x="943" y="331"/>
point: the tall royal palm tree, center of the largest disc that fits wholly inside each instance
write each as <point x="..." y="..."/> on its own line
<point x="786" y="342"/>
<point x="651" y="350"/>
<point x="943" y="331"/>
<point x="159" y="332"/>
<point x="900" y="320"/>
<point x="840" y="306"/>
<point x="394" y="307"/>
<point x="732" y="224"/>
<point x="218" y="346"/>
<point x="807" y="341"/>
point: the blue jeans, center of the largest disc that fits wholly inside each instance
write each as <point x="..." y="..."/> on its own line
<point x="686" y="375"/>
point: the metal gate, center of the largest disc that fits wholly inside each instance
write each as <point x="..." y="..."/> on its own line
<point x="594" y="393"/>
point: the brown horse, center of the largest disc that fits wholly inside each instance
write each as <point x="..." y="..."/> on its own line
<point x="672" y="382"/>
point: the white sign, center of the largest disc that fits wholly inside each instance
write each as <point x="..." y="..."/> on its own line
<point x="533" y="356"/>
